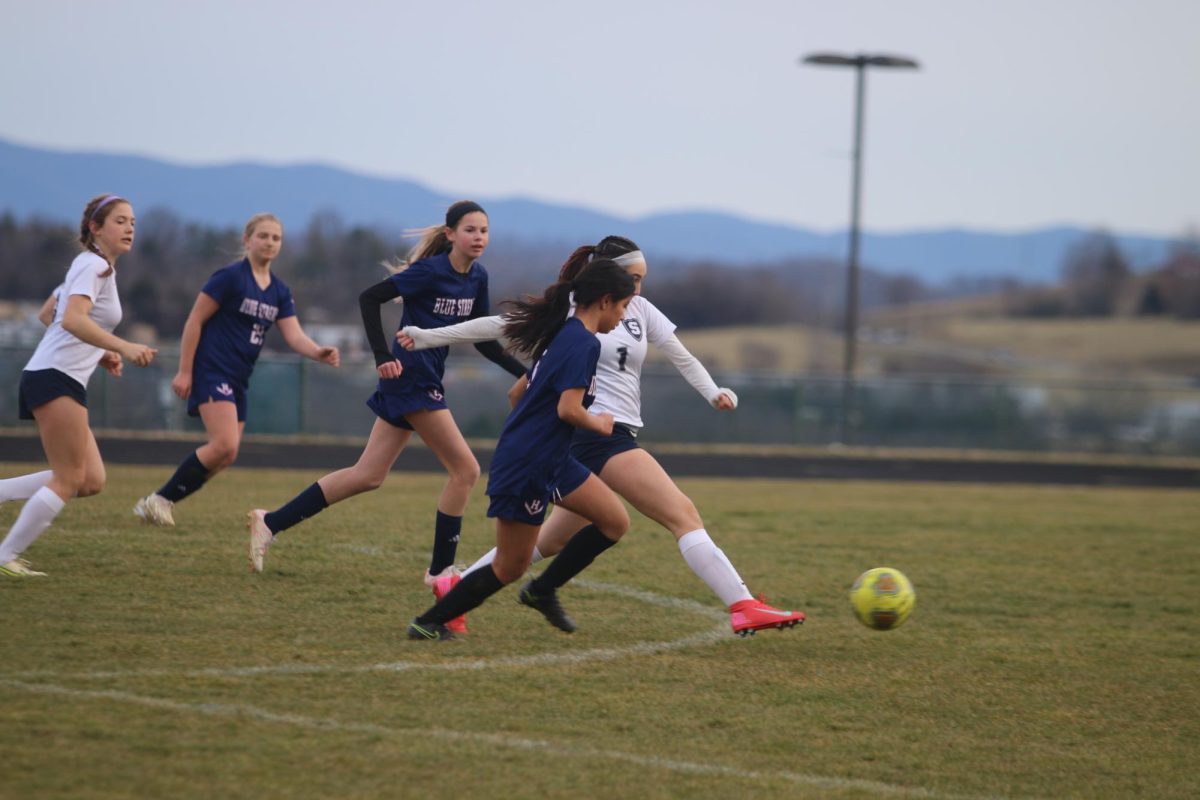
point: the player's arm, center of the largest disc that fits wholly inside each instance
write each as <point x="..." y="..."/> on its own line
<point x="368" y="305"/>
<point x="494" y="352"/>
<point x="299" y="341"/>
<point x="480" y="329"/>
<point x="202" y="311"/>
<point x="77" y="323"/>
<point x="693" y="372"/>
<point x="518" y="391"/>
<point x="572" y="412"/>
<point x="46" y="312"/>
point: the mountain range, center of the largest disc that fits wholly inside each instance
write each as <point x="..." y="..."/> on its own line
<point x="54" y="185"/>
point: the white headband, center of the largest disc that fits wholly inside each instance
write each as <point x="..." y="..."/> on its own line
<point x="629" y="258"/>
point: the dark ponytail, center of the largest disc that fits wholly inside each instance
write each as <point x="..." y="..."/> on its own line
<point x="534" y="322"/>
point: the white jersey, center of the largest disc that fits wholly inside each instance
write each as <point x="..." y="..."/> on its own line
<point x="622" y="354"/>
<point x="61" y="350"/>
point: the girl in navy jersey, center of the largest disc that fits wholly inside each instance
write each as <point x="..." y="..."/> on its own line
<point x="441" y="284"/>
<point x="221" y="341"/>
<point x="53" y="388"/>
<point x="618" y="460"/>
<point x="532" y="465"/>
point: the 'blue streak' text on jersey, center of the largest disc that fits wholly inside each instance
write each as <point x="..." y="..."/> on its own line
<point x="535" y="441"/>
<point x="435" y="295"/>
<point x="233" y="337"/>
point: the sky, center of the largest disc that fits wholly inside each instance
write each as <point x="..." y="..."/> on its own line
<point x="1023" y="114"/>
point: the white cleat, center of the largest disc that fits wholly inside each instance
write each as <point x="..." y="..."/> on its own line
<point x="19" y="568"/>
<point x="260" y="539"/>
<point x="156" y="510"/>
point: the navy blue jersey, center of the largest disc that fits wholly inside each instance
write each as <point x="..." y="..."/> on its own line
<point x="435" y="295"/>
<point x="535" y="441"/>
<point x="232" y="338"/>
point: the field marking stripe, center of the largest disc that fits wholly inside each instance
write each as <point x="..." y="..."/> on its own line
<point x="716" y="635"/>
<point x="494" y="739"/>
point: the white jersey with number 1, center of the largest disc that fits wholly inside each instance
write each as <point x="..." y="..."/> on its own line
<point x="622" y="354"/>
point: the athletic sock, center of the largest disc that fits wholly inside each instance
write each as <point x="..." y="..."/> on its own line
<point x="36" y="515"/>
<point x="469" y="593"/>
<point x="580" y="551"/>
<point x="711" y="566"/>
<point x="487" y="558"/>
<point x="446" y="532"/>
<point x="188" y="478"/>
<point x="23" y="487"/>
<point x="307" y="504"/>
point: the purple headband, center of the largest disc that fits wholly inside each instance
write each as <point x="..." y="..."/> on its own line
<point x="103" y="203"/>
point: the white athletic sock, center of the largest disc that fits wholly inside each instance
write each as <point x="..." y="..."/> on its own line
<point x="22" y="487"/>
<point x="711" y="565"/>
<point x="490" y="556"/>
<point x="36" y="515"/>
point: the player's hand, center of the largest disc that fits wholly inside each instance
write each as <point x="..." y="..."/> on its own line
<point x="111" y="361"/>
<point x="330" y="356"/>
<point x="181" y="385"/>
<point x="139" y="354"/>
<point x="604" y="423"/>
<point x="389" y="369"/>
<point x="407" y="336"/>
<point x="725" y="400"/>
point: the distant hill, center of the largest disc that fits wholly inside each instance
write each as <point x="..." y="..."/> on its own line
<point x="54" y="185"/>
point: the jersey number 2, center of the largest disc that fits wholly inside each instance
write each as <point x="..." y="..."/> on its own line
<point x="257" y="333"/>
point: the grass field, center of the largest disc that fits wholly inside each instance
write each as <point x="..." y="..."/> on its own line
<point x="1053" y="653"/>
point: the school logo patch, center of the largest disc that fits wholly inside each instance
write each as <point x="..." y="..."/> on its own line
<point x="225" y="389"/>
<point x="534" y="507"/>
<point x="434" y="394"/>
<point x="634" y="326"/>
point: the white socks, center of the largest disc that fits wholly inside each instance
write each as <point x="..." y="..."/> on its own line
<point x="37" y="514"/>
<point x="22" y="487"/>
<point x="711" y="565"/>
<point x="490" y="556"/>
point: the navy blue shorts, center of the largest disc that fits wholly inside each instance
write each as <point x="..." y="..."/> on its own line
<point x="529" y="505"/>
<point x="393" y="408"/>
<point x="594" y="449"/>
<point x="43" y="385"/>
<point x="219" y="389"/>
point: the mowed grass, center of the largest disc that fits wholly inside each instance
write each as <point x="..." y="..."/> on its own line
<point x="1053" y="652"/>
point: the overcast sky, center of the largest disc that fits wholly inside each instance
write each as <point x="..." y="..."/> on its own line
<point x="1024" y="113"/>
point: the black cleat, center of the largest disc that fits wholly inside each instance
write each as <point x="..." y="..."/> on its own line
<point x="430" y="631"/>
<point x="548" y="604"/>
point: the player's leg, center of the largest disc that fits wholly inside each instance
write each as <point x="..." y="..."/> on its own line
<point x="22" y="487"/>
<point x="369" y="472"/>
<point x="439" y="431"/>
<point x="560" y="526"/>
<point x="67" y="440"/>
<point x="514" y="547"/>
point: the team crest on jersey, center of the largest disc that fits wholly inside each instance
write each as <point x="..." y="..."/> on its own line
<point x="634" y="326"/>
<point x="224" y="388"/>
<point x="534" y="507"/>
<point x="434" y="394"/>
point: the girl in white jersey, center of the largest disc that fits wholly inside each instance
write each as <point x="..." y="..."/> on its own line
<point x="53" y="389"/>
<point x="617" y="459"/>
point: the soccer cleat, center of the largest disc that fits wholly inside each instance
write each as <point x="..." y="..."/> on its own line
<point x="548" y="604"/>
<point x="20" y="568"/>
<point x="441" y="586"/>
<point x="260" y="539"/>
<point x="156" y="510"/>
<point x="748" y="616"/>
<point x="430" y="632"/>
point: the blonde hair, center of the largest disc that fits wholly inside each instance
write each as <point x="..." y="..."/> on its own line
<point x="253" y="223"/>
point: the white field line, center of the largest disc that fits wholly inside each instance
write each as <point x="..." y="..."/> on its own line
<point x="489" y="739"/>
<point x="715" y="635"/>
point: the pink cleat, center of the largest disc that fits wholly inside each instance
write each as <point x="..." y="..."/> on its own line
<point x="441" y="586"/>
<point x="748" y="616"/>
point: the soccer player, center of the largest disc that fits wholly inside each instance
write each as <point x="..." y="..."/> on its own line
<point x="532" y="465"/>
<point x="629" y="470"/>
<point x="53" y="389"/>
<point x="222" y="338"/>
<point x="442" y="283"/>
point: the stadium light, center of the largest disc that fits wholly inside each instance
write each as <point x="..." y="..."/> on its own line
<point x="860" y="63"/>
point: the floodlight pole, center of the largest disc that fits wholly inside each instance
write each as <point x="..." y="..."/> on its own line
<point x="860" y="63"/>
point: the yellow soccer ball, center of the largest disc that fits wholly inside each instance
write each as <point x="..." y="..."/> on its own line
<point x="882" y="598"/>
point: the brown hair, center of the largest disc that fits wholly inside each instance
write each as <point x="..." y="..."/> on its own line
<point x="97" y="211"/>
<point x="433" y="239"/>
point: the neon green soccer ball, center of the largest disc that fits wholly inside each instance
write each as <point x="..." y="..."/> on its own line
<point x="882" y="598"/>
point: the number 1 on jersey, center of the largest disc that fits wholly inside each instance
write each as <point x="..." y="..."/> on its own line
<point x="622" y="355"/>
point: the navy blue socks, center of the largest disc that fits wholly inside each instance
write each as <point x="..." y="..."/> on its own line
<point x="188" y="478"/>
<point x="445" y="542"/>
<point x="469" y="594"/>
<point x="307" y="504"/>
<point x="580" y="550"/>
